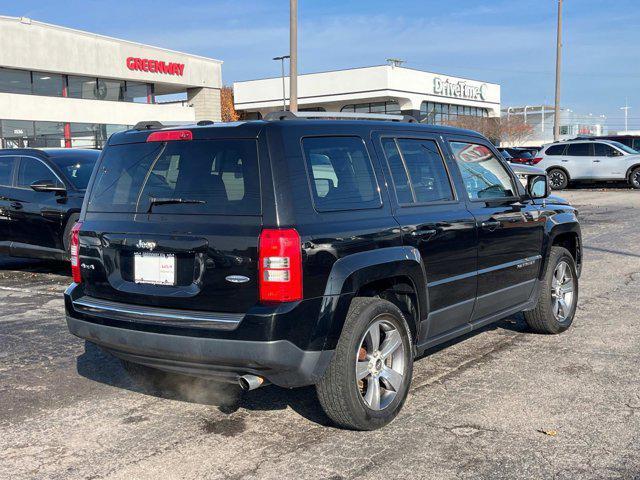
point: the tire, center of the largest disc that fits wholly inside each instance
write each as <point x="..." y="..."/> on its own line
<point x="558" y="179"/>
<point x="351" y="403"/>
<point x="66" y="236"/>
<point x="548" y="317"/>
<point x="634" y="178"/>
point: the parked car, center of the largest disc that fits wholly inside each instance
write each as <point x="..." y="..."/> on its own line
<point x="321" y="252"/>
<point x="594" y="160"/>
<point x="41" y="193"/>
<point x="517" y="155"/>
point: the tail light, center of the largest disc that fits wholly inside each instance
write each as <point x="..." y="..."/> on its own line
<point x="280" y="267"/>
<point x="536" y="160"/>
<point x="165" y="136"/>
<point x="75" y="252"/>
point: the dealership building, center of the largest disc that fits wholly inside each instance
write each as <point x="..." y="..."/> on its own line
<point x="431" y="97"/>
<point x="61" y="87"/>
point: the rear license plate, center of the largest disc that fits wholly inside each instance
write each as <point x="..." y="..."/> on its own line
<point x="154" y="268"/>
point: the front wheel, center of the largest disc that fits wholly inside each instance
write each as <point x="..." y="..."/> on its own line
<point x="368" y="378"/>
<point x="559" y="296"/>
<point x="558" y="179"/>
<point x="634" y="178"/>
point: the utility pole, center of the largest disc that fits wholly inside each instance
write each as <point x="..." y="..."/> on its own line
<point x="293" y="52"/>
<point x="556" y="115"/>
<point x="284" y="94"/>
<point x="626" y="115"/>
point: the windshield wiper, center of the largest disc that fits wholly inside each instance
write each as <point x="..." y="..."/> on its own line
<point x="171" y="201"/>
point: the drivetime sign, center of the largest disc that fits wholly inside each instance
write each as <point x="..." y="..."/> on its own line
<point x="155" y="66"/>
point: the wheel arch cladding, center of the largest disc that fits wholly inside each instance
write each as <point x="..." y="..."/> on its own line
<point x="566" y="235"/>
<point x="373" y="271"/>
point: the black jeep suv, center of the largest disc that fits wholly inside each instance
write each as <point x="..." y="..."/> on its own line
<point x="41" y="193"/>
<point x="313" y="252"/>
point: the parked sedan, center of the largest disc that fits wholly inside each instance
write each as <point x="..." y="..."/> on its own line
<point x="41" y="194"/>
<point x="517" y="155"/>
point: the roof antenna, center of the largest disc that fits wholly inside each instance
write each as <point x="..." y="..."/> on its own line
<point x="395" y="62"/>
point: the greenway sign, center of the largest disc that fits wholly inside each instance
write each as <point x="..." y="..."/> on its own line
<point x="459" y="89"/>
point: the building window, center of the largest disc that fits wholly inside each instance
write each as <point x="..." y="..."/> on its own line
<point x="80" y="87"/>
<point x="138" y="92"/>
<point x="48" y="84"/>
<point x="48" y="134"/>
<point x="440" y="113"/>
<point x="390" y="107"/>
<point x="15" y="81"/>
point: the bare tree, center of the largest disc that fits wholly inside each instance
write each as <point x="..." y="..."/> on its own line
<point x="511" y="130"/>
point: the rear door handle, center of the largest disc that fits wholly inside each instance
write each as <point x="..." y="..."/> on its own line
<point x="424" y="232"/>
<point x="596" y="161"/>
<point x="490" y="225"/>
<point x="16" y="205"/>
<point x="565" y="161"/>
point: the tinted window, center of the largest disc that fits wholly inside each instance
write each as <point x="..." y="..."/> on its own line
<point x="579" y="149"/>
<point x="6" y="170"/>
<point x="636" y="144"/>
<point x="483" y="174"/>
<point x="603" y="150"/>
<point x="77" y="169"/>
<point x="81" y="87"/>
<point x="49" y="84"/>
<point x="220" y="176"/>
<point x="422" y="161"/>
<point x="343" y="177"/>
<point x="555" y="150"/>
<point x="31" y="170"/>
<point x="15" y="81"/>
<point x="399" y="173"/>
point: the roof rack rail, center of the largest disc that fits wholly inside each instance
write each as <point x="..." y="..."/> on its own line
<point x="148" y="125"/>
<point x="287" y="115"/>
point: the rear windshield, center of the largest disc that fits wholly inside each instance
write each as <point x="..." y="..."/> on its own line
<point x="180" y="177"/>
<point x="77" y="170"/>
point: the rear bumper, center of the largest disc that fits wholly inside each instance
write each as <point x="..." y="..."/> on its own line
<point x="280" y="361"/>
<point x="206" y="345"/>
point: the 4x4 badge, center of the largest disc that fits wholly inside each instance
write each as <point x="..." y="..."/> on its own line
<point x="146" y="245"/>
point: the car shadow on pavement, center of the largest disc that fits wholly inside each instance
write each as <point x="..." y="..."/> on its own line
<point x="97" y="365"/>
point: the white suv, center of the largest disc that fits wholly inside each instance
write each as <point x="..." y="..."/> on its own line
<point x="589" y="160"/>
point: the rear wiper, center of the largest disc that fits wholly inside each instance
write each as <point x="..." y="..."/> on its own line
<point x="170" y="201"/>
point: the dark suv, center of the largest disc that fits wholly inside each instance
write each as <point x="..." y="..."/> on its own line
<point x="313" y="252"/>
<point x="41" y="193"/>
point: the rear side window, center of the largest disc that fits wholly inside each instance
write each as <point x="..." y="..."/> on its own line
<point x="32" y="170"/>
<point x="418" y="170"/>
<point x="483" y="174"/>
<point x="579" y="150"/>
<point x="6" y="170"/>
<point x="184" y="177"/>
<point x="555" y="150"/>
<point x="341" y="174"/>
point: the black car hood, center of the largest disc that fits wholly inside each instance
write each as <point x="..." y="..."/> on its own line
<point x="555" y="199"/>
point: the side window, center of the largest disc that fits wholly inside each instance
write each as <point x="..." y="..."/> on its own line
<point x="555" y="150"/>
<point x="483" y="174"/>
<point x="419" y="161"/>
<point x="342" y="174"/>
<point x="579" y="150"/>
<point x="6" y="170"/>
<point x="31" y="170"/>
<point x="636" y="144"/>
<point x="603" y="150"/>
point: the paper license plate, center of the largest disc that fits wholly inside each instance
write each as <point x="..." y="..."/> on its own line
<point x="154" y="268"/>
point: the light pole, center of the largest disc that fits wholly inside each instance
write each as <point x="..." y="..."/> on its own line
<point x="556" y="114"/>
<point x="284" y="95"/>
<point x="293" y="51"/>
<point x="626" y="115"/>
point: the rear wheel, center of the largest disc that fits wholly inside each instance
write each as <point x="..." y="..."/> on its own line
<point x="559" y="296"/>
<point x="367" y="381"/>
<point x="558" y="179"/>
<point x="634" y="178"/>
<point x="66" y="236"/>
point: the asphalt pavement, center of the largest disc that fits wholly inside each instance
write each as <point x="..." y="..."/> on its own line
<point x="500" y="403"/>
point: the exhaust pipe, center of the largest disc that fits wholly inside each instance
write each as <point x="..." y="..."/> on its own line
<point x="250" y="382"/>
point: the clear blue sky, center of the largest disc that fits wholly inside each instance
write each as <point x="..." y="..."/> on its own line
<point x="509" y="42"/>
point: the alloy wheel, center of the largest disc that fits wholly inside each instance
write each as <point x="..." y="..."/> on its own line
<point x="562" y="291"/>
<point x="635" y="178"/>
<point x="557" y="179"/>
<point x="380" y="364"/>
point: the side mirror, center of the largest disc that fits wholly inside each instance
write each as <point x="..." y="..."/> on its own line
<point x="615" y="153"/>
<point x="48" y="186"/>
<point x="537" y="186"/>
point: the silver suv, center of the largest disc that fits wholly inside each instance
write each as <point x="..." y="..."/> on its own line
<point x="589" y="160"/>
